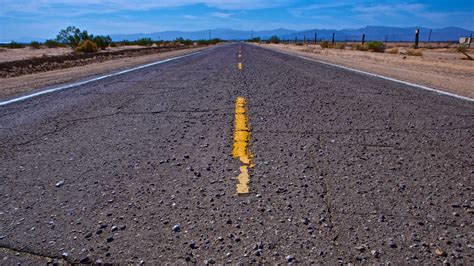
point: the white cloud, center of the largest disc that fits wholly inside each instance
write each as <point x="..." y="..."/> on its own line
<point x="100" y="6"/>
<point x="221" y="15"/>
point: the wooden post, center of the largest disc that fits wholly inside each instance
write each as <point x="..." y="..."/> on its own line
<point x="363" y="38"/>
<point x="315" y="38"/>
<point x="333" y="38"/>
<point x="417" y="38"/>
<point x="470" y="40"/>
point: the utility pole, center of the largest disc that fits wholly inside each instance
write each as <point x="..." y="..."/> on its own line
<point x="315" y="38"/>
<point x="429" y="36"/>
<point x="363" y="38"/>
<point x="417" y="38"/>
<point x="333" y="40"/>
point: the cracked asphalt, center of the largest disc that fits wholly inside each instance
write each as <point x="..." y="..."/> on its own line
<point x="137" y="168"/>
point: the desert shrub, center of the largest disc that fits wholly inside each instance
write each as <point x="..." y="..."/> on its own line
<point x="324" y="44"/>
<point x="377" y="47"/>
<point x="463" y="49"/>
<point x="392" y="50"/>
<point x="274" y="39"/>
<point x="184" y="41"/>
<point x="13" y="45"/>
<point x="340" y="46"/>
<point x="414" y="52"/>
<point x="144" y="42"/>
<point x="53" y="44"/>
<point x="35" y="45"/>
<point x="102" y="41"/>
<point x="360" y="47"/>
<point x="256" y="39"/>
<point x="299" y="43"/>
<point x="113" y="44"/>
<point x="72" y="36"/>
<point x="87" y="46"/>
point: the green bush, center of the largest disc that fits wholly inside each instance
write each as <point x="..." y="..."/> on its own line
<point x="144" y="42"/>
<point x="324" y="44"/>
<point x="53" y="44"/>
<point x="340" y="46"/>
<point x="256" y="39"/>
<point x="13" y="45"/>
<point x="87" y="46"/>
<point x="102" y="41"/>
<point x="72" y="36"/>
<point x="377" y="47"/>
<point x="360" y="47"/>
<point x="35" y="45"/>
<point x="274" y="39"/>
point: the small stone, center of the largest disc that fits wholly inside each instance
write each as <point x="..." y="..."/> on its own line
<point x="360" y="248"/>
<point x="88" y="235"/>
<point x="110" y="239"/>
<point x="177" y="228"/>
<point x="290" y="258"/>
<point x="65" y="254"/>
<point x="375" y="253"/>
<point x="229" y="221"/>
<point x="102" y="226"/>
<point x="98" y="231"/>
<point x="114" y="228"/>
<point x="392" y="244"/>
<point x="85" y="260"/>
<point x="440" y="253"/>
<point x="60" y="183"/>
<point x="99" y="262"/>
<point x="122" y="227"/>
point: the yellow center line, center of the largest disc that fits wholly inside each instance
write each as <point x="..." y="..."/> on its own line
<point x="240" y="66"/>
<point x="241" y="145"/>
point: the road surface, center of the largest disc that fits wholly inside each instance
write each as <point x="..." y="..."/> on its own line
<point x="138" y="167"/>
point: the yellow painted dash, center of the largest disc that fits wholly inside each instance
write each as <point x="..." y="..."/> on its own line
<point x="240" y="66"/>
<point x="240" y="148"/>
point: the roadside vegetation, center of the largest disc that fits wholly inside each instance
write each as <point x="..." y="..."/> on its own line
<point x="83" y="42"/>
<point x="463" y="50"/>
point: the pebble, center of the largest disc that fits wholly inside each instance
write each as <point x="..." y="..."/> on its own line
<point x="88" y="235"/>
<point x="177" y="228"/>
<point x="110" y="239"/>
<point x="122" y="227"/>
<point x="60" y="183"/>
<point x="290" y="258"/>
<point x="114" y="228"/>
<point x="440" y="253"/>
<point x="392" y="243"/>
<point x="85" y="260"/>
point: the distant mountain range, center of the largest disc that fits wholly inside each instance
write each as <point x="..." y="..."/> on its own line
<point x="379" y="33"/>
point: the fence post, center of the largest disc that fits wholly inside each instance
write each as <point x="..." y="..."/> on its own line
<point x="315" y="38"/>
<point x="363" y="38"/>
<point x="470" y="40"/>
<point x="417" y="38"/>
<point x="333" y="38"/>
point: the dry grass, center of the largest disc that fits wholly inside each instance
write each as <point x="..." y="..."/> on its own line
<point x="394" y="50"/>
<point x="414" y="52"/>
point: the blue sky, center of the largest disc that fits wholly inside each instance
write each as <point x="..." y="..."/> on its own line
<point x="44" y="18"/>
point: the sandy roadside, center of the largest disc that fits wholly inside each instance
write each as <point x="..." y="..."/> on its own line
<point x="27" y="83"/>
<point x="440" y="69"/>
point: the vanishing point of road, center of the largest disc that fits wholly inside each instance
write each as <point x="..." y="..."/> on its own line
<point x="238" y="154"/>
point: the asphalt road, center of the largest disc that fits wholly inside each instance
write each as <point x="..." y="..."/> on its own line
<point x="348" y="168"/>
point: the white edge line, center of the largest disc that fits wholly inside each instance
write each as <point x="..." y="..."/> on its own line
<point x="378" y="76"/>
<point x="29" y="96"/>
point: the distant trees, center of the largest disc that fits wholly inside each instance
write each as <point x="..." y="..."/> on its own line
<point x="74" y="37"/>
<point x="274" y="39"/>
<point x="256" y="39"/>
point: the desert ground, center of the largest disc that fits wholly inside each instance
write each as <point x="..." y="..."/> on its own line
<point x="74" y="70"/>
<point x="441" y="68"/>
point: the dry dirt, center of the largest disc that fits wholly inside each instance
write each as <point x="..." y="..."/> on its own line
<point x="26" y="83"/>
<point x="7" y="55"/>
<point x="441" y="68"/>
